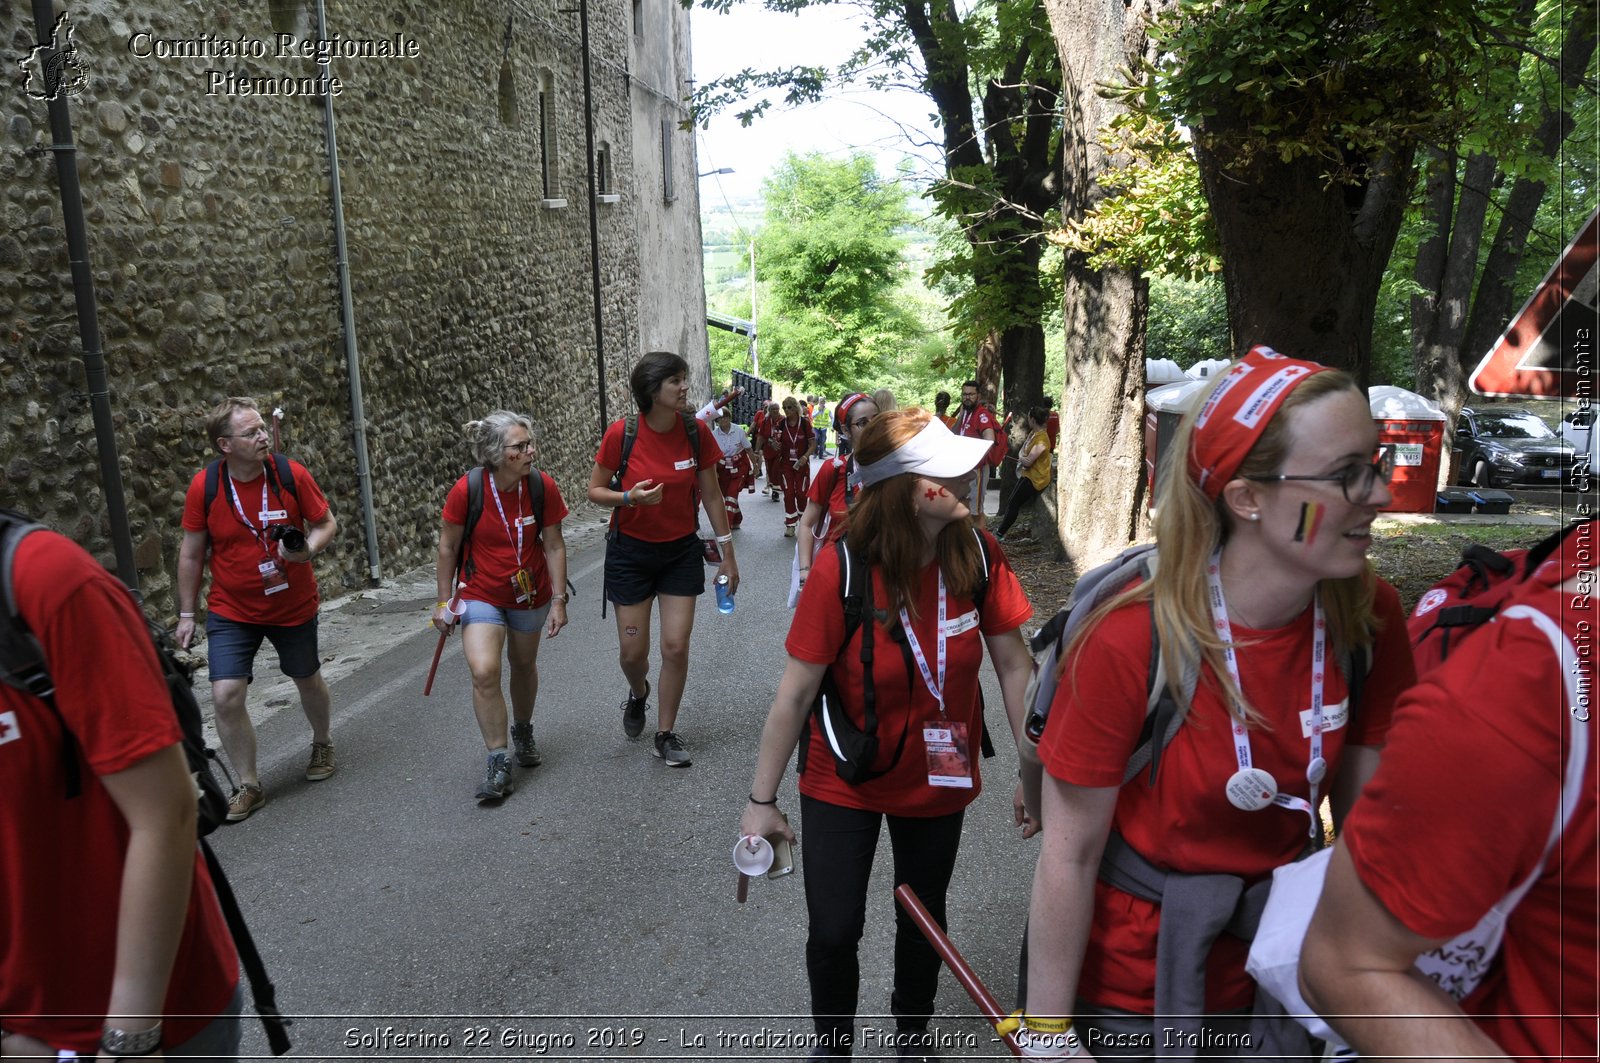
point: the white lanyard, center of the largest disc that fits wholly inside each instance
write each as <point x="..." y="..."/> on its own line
<point x="935" y="687"/>
<point x="1251" y="788"/>
<point x="238" y="507"/>
<point x="505" y="523"/>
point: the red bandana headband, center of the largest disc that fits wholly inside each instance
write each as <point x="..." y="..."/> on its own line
<point x="841" y="412"/>
<point x="1237" y="411"/>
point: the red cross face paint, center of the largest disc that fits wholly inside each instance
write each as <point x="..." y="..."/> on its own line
<point x="1311" y="514"/>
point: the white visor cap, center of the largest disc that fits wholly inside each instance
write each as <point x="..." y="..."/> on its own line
<point x="935" y="452"/>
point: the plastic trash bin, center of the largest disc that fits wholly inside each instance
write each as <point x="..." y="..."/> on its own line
<point x="1414" y="426"/>
<point x="1164" y="407"/>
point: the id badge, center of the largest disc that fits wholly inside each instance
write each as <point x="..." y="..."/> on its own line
<point x="267" y="516"/>
<point x="949" y="761"/>
<point x="273" y="578"/>
<point x="522" y="583"/>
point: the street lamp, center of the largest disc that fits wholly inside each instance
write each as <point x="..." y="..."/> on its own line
<point x="709" y="173"/>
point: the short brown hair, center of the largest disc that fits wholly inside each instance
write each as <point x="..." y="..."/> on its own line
<point x="219" y="419"/>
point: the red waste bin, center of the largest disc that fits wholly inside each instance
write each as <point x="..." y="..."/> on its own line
<point x="1164" y="407"/>
<point x="1414" y="427"/>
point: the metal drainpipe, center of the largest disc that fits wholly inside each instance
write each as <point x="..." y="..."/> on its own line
<point x="94" y="363"/>
<point x="594" y="216"/>
<point x="347" y="316"/>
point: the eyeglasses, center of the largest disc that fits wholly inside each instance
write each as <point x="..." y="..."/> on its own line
<point x="1357" y="481"/>
<point x="525" y="447"/>
<point x="257" y="433"/>
<point x="861" y="422"/>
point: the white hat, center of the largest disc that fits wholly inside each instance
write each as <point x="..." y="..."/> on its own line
<point x="935" y="452"/>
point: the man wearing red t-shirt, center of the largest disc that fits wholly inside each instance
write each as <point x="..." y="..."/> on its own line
<point x="1487" y="784"/>
<point x="111" y="939"/>
<point x="262" y="585"/>
<point x="976" y="421"/>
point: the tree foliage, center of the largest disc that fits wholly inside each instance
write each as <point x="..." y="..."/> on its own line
<point x="830" y="255"/>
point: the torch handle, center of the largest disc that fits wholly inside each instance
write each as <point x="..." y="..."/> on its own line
<point x="958" y="966"/>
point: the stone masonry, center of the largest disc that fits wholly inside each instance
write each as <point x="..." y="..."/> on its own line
<point x="207" y="199"/>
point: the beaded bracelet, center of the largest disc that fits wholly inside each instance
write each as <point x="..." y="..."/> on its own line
<point x="753" y="800"/>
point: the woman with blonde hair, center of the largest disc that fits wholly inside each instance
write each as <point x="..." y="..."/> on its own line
<point x="1145" y="885"/>
<point x="934" y="592"/>
<point x="499" y="580"/>
<point x="792" y="442"/>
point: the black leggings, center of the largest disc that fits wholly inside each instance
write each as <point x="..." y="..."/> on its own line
<point x="1023" y="493"/>
<point x="839" y="846"/>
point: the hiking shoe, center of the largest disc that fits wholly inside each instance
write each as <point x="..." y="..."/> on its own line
<point x="915" y="1045"/>
<point x="245" y="800"/>
<point x="322" y="764"/>
<point x="523" y="745"/>
<point x="633" y="710"/>
<point x="788" y="531"/>
<point x="670" y="748"/>
<point x="497" y="778"/>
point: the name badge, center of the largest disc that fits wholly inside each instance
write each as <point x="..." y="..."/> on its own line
<point x="273" y="514"/>
<point x="273" y="577"/>
<point x="1333" y="718"/>
<point x="686" y="463"/>
<point x="526" y="521"/>
<point x="958" y="624"/>
<point x="949" y="762"/>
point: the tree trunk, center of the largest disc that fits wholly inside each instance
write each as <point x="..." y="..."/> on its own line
<point x="1302" y="259"/>
<point x="1022" y="358"/>
<point x="1100" y="482"/>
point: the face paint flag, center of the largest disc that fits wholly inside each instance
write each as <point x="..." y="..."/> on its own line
<point x="1310" y="520"/>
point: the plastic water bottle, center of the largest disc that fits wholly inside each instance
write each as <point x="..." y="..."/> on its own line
<point x="724" y="596"/>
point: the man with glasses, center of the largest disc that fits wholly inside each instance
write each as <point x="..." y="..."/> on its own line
<point x="258" y="519"/>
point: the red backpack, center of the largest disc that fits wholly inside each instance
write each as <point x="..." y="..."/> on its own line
<point x="1466" y="599"/>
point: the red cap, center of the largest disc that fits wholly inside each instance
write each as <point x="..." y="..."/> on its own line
<point x="1238" y="410"/>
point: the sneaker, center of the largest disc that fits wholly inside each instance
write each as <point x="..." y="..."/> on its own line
<point x="496" y="779"/>
<point x="788" y="531"/>
<point x="774" y="491"/>
<point x="670" y="748"/>
<point x="245" y="800"/>
<point x="633" y="710"/>
<point x="322" y="764"/>
<point x="914" y="1045"/>
<point x="525" y="748"/>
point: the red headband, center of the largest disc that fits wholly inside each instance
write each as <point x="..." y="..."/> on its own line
<point x="841" y="412"/>
<point x="1237" y="411"/>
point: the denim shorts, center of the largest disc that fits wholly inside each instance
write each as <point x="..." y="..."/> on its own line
<point x="637" y="570"/>
<point x="523" y="621"/>
<point x="232" y="648"/>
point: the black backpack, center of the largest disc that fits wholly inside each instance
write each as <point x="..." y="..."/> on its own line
<point x="22" y="665"/>
<point x="279" y="474"/>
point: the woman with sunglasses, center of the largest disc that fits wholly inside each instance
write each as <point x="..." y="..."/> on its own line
<point x="828" y="501"/>
<point x="500" y="584"/>
<point x="1143" y="890"/>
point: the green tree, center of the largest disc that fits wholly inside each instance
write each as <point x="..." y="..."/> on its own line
<point x="830" y="258"/>
<point x="992" y="73"/>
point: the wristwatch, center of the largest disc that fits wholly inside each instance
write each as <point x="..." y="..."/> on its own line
<point x="116" y="1042"/>
<point x="562" y="598"/>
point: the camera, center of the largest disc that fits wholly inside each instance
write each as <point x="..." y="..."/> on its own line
<point x="292" y="538"/>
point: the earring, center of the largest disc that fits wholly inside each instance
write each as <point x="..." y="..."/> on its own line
<point x="1255" y="516"/>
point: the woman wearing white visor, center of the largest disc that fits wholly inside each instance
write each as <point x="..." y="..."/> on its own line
<point x="946" y="590"/>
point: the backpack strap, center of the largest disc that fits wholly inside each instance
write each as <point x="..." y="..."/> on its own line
<point x="282" y="474"/>
<point x="475" y="477"/>
<point x="213" y="476"/>
<point x="262" y="990"/>
<point x="278" y="471"/>
<point x="22" y="663"/>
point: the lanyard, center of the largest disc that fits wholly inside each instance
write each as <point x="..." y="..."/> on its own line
<point x="505" y="523"/>
<point x="238" y="509"/>
<point x="935" y="687"/>
<point x="1316" y="766"/>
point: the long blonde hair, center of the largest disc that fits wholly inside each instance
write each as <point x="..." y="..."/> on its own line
<point x="1189" y="527"/>
<point x="884" y="529"/>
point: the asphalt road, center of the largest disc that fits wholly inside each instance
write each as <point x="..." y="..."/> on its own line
<point x="592" y="914"/>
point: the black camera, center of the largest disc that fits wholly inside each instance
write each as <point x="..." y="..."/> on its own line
<point x="292" y="538"/>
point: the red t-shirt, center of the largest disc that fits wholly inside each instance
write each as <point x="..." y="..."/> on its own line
<point x="61" y="859"/>
<point x="974" y="424"/>
<point x="830" y="488"/>
<point x="815" y="636"/>
<point x="236" y="553"/>
<point x="1186" y="823"/>
<point x="1460" y="811"/>
<point x="665" y="458"/>
<point x="493" y="550"/>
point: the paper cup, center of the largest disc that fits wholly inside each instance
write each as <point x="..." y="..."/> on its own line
<point x="752" y="855"/>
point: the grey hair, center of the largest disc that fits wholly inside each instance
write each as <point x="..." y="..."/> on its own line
<point x="488" y="436"/>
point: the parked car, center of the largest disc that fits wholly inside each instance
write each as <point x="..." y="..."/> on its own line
<point x="1575" y="427"/>
<point x="1502" y="446"/>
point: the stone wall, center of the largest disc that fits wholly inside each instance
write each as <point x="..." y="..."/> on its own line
<point x="211" y="243"/>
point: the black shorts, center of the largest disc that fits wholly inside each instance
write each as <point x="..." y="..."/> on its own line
<point x="637" y="570"/>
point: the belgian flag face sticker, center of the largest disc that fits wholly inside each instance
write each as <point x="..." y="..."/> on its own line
<point x="1310" y="520"/>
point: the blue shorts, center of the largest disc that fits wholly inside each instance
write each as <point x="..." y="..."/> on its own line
<point x="232" y="648"/>
<point x="522" y="621"/>
<point x="637" y="570"/>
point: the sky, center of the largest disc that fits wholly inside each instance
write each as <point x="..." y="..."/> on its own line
<point x="750" y="36"/>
